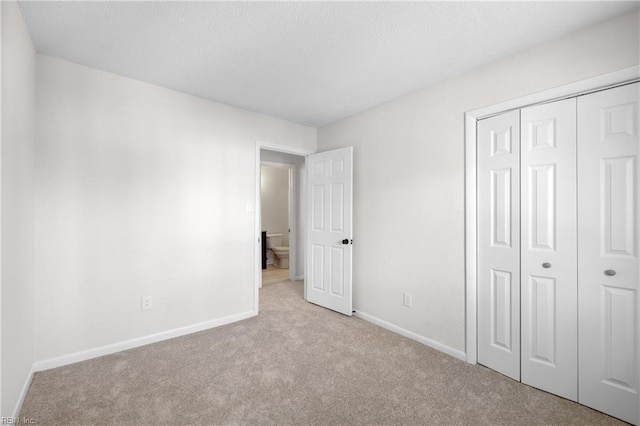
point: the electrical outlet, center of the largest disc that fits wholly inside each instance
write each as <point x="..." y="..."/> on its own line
<point x="146" y="303"/>
<point x="407" y="300"/>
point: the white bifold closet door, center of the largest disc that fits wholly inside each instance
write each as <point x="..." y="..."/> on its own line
<point x="558" y="246"/>
<point x="499" y="243"/>
<point x="549" y="288"/>
<point x="527" y="267"/>
<point x="608" y="275"/>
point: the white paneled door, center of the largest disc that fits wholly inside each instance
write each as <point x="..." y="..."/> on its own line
<point x="329" y="229"/>
<point x="549" y="297"/>
<point x="499" y="244"/>
<point x="608" y="148"/>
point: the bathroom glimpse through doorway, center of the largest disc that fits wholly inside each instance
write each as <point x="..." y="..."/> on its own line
<point x="277" y="212"/>
<point x="293" y="161"/>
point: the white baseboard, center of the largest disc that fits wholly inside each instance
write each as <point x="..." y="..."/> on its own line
<point x="23" y="393"/>
<point x="137" y="342"/>
<point x="411" y="335"/>
<point x="300" y="278"/>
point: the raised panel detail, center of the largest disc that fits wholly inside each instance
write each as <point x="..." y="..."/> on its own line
<point x="618" y="121"/>
<point x="542" y="134"/>
<point x="337" y="167"/>
<point x="337" y="271"/>
<point x="317" y="257"/>
<point x="501" y="309"/>
<point x="318" y="207"/>
<point x="501" y="208"/>
<point x="501" y="142"/>
<point x="542" y="299"/>
<point x="337" y="209"/>
<point x="618" y="208"/>
<point x="542" y="220"/>
<point x="620" y="331"/>
<point x="318" y="168"/>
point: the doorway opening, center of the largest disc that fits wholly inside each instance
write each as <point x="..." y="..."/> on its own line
<point x="280" y="212"/>
<point x="278" y="205"/>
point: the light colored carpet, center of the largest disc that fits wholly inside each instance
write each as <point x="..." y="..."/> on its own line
<point x="295" y="363"/>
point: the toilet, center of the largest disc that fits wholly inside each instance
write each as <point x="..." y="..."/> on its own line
<point x="282" y="254"/>
<point x="279" y="250"/>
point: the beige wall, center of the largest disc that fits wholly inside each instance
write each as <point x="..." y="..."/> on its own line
<point x="18" y="121"/>
<point x="409" y="176"/>
<point x="141" y="191"/>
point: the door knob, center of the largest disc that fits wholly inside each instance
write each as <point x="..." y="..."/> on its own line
<point x="546" y="265"/>
<point x="609" y="272"/>
<point x="345" y="241"/>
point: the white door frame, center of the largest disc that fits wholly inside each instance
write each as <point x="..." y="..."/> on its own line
<point x="257" y="262"/>
<point x="600" y="82"/>
<point x="293" y="217"/>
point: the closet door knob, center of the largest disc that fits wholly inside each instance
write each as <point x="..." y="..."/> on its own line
<point x="609" y="272"/>
<point x="345" y="241"/>
<point x="546" y="265"/>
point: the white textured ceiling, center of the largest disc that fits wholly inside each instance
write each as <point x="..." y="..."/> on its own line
<point x="307" y="62"/>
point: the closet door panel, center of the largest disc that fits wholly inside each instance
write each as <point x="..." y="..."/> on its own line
<point x="549" y="243"/>
<point x="608" y="147"/>
<point x="499" y="244"/>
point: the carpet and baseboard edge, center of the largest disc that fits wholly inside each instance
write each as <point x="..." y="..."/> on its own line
<point x="23" y="393"/>
<point x="194" y="328"/>
<point x="138" y="341"/>
<point x="411" y="335"/>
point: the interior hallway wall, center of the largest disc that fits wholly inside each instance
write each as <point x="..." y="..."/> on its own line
<point x="141" y="191"/>
<point x="274" y="200"/>
<point x="17" y="146"/>
<point x="409" y="175"/>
